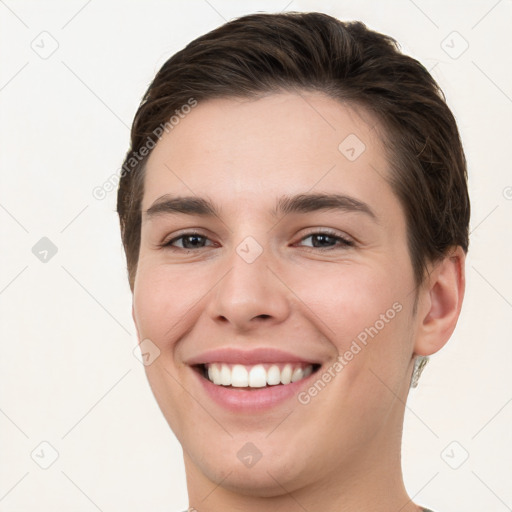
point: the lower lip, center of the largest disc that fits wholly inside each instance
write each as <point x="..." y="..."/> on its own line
<point x="256" y="399"/>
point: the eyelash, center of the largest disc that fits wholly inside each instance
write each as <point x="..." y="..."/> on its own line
<point x="345" y="242"/>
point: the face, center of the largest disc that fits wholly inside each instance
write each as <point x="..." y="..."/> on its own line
<point x="271" y="238"/>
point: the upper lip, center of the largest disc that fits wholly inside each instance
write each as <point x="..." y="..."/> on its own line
<point x="246" y="357"/>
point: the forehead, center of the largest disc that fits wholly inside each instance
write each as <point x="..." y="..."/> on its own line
<point x="234" y="148"/>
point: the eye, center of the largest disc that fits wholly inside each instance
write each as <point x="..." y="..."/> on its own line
<point x="188" y="241"/>
<point x="327" y="240"/>
<point x="324" y="240"/>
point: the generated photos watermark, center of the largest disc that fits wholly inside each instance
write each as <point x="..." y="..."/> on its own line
<point x="100" y="192"/>
<point x="357" y="345"/>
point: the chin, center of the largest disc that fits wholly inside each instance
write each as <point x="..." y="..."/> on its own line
<point x="264" y="478"/>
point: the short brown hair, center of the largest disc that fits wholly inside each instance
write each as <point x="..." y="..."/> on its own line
<point x="263" y="53"/>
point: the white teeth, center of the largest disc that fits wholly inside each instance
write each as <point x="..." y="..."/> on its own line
<point x="257" y="376"/>
<point x="273" y="375"/>
<point x="297" y="374"/>
<point x="214" y="374"/>
<point x="225" y="375"/>
<point x="286" y="374"/>
<point x="239" y="376"/>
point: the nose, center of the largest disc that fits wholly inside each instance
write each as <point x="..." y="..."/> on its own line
<point x="250" y="295"/>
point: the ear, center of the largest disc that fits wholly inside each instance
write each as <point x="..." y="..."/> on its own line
<point x="135" y="322"/>
<point x="440" y="302"/>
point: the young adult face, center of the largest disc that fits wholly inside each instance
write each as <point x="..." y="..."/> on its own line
<point x="254" y="279"/>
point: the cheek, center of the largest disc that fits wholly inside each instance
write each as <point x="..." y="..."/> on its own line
<point x="163" y="304"/>
<point x="362" y="312"/>
<point x="365" y="313"/>
<point x="348" y="299"/>
<point x="162" y="298"/>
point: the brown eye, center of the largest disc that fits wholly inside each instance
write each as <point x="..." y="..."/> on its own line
<point x="188" y="241"/>
<point x="327" y="240"/>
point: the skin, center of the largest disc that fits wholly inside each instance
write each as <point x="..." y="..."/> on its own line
<point x="341" y="451"/>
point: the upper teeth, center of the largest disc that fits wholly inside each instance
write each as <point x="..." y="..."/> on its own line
<point x="257" y="376"/>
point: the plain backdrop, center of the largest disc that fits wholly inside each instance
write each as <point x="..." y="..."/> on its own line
<point x="79" y="427"/>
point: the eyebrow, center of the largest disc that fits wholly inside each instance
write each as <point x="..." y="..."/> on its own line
<point x="168" y="204"/>
<point x="306" y="203"/>
<point x="301" y="203"/>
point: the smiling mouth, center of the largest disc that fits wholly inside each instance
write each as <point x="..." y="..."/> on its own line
<point x="238" y="376"/>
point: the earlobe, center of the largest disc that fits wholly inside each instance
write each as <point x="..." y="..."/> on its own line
<point x="442" y="297"/>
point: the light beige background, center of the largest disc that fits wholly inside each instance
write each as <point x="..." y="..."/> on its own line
<point x="69" y="377"/>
